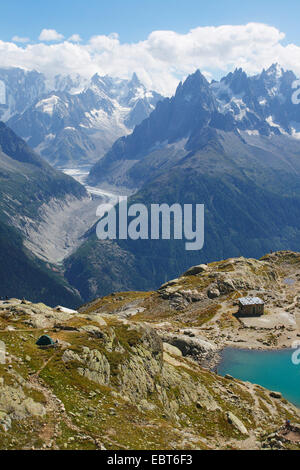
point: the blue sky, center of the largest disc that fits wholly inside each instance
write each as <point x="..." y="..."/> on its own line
<point x="161" y="40"/>
<point x="133" y="20"/>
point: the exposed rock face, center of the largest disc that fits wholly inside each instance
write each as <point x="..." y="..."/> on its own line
<point x="178" y="296"/>
<point x="196" y="347"/>
<point x="96" y="368"/>
<point x="196" y="114"/>
<point x="14" y="405"/>
<point x="213" y="293"/>
<point x="34" y="315"/>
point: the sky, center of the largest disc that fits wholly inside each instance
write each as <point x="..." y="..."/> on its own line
<point x="161" y="40"/>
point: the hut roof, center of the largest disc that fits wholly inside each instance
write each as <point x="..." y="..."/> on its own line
<point x="251" y="301"/>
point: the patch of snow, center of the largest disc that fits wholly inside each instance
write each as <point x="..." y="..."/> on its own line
<point x="275" y="71"/>
<point x="65" y="309"/>
<point x="114" y="122"/>
<point x="50" y="136"/>
<point x="2" y="92"/>
<point x="295" y="129"/>
<point x="262" y="101"/>
<point x="238" y="102"/>
<point x="228" y="102"/>
<point x="250" y="132"/>
<point x="273" y="124"/>
<point x="48" y="104"/>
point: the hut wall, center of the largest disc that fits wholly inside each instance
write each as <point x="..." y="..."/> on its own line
<point x="251" y="310"/>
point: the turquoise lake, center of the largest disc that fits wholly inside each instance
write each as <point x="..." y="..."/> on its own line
<point x="271" y="369"/>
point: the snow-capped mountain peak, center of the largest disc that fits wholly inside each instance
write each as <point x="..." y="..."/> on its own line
<point x="260" y="103"/>
<point x="275" y="70"/>
<point x="70" y="119"/>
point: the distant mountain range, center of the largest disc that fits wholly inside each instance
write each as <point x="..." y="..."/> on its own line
<point x="72" y="121"/>
<point x="232" y="145"/>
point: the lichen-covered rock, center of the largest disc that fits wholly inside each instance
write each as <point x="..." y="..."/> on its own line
<point x="170" y="349"/>
<point x="70" y="355"/>
<point x="93" y="330"/>
<point x="15" y="403"/>
<point x="96" y="366"/>
<point x="213" y="293"/>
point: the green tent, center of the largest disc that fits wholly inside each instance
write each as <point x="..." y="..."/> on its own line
<point x="45" y="340"/>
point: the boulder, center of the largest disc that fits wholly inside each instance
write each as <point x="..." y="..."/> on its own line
<point x="5" y="421"/>
<point x="171" y="360"/>
<point x="33" y="408"/>
<point x="70" y="355"/>
<point x="196" y="347"/>
<point x="92" y="330"/>
<point x="237" y="423"/>
<point x="191" y="295"/>
<point x="194" y="270"/>
<point x="225" y="286"/>
<point x="229" y="377"/>
<point x="173" y="282"/>
<point x="213" y="293"/>
<point x="170" y="349"/>
<point x="277" y="395"/>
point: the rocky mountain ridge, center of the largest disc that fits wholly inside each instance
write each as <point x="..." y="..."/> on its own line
<point x="257" y="109"/>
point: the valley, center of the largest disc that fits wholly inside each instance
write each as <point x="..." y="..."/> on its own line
<point x="63" y="227"/>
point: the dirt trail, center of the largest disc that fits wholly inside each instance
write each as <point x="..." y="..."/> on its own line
<point x="56" y="409"/>
<point x="37" y="374"/>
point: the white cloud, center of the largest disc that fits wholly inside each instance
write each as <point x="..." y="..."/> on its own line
<point x="20" y="39"/>
<point x="163" y="58"/>
<point x="50" y="35"/>
<point x="75" y="38"/>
